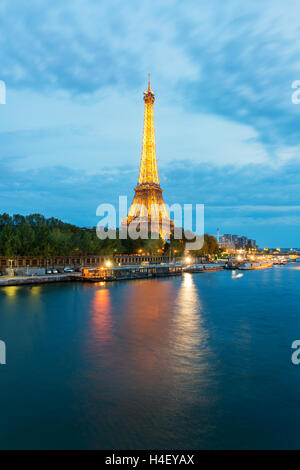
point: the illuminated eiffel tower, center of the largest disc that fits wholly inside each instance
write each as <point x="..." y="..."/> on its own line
<point x="148" y="209"/>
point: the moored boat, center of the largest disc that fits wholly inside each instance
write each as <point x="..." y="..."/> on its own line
<point x="203" y="268"/>
<point x="254" y="266"/>
<point x="117" y="273"/>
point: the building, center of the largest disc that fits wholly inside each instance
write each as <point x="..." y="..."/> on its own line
<point x="225" y="241"/>
<point x="243" y="242"/>
<point x="232" y="242"/>
<point x="148" y="210"/>
<point x="235" y="240"/>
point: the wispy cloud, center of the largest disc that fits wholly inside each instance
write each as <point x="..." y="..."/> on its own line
<point x="236" y="203"/>
<point x="227" y="131"/>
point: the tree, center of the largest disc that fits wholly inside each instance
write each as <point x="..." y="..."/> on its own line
<point x="210" y="246"/>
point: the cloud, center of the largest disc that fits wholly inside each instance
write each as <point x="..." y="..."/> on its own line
<point x="237" y="200"/>
<point x="51" y="129"/>
<point x="225" y="65"/>
<point x="227" y="131"/>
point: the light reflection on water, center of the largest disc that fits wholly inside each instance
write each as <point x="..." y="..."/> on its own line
<point x="101" y="327"/>
<point x="152" y="348"/>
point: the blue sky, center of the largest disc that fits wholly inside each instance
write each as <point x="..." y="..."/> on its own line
<point x="226" y="128"/>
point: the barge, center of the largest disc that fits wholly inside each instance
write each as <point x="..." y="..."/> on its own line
<point x="253" y="266"/>
<point x="118" y="273"/>
<point x="203" y="268"/>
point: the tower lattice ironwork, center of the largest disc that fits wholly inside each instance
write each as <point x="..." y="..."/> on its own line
<point x="148" y="209"/>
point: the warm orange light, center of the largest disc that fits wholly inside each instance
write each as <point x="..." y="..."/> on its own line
<point x="148" y="206"/>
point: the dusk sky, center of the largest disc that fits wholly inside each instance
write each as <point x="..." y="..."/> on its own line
<point x="227" y="132"/>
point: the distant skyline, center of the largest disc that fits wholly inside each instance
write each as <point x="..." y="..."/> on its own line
<point x="227" y="132"/>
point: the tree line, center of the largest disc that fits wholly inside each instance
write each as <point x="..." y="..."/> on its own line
<point x="35" y="235"/>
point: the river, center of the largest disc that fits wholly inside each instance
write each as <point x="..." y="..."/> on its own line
<point x="198" y="362"/>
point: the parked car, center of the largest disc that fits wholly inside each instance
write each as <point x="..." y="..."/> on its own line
<point x="68" y="270"/>
<point x="48" y="271"/>
<point x="54" y="271"/>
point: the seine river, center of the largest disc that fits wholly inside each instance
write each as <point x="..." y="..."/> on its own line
<point x="198" y="362"/>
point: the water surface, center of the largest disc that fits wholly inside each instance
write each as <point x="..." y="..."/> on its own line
<point x="198" y="362"/>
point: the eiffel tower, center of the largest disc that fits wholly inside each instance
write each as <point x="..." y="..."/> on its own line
<point x="148" y="209"/>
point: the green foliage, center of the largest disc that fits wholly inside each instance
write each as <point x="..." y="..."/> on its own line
<point x="174" y="248"/>
<point x="34" y="235"/>
<point x="210" y="246"/>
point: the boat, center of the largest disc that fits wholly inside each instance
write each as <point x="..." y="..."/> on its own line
<point x="254" y="266"/>
<point x="117" y="273"/>
<point x="280" y="261"/>
<point x="203" y="268"/>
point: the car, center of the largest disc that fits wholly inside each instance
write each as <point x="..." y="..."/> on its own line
<point x="48" y="271"/>
<point x="68" y="270"/>
<point x="54" y="271"/>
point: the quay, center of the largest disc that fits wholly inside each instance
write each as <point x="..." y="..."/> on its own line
<point x="115" y="273"/>
<point x="111" y="272"/>
<point x="25" y="280"/>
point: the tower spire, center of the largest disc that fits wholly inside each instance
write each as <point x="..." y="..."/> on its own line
<point x="148" y="166"/>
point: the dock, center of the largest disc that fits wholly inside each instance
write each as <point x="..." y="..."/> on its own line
<point x="101" y="274"/>
<point x="121" y="273"/>
<point x="30" y="280"/>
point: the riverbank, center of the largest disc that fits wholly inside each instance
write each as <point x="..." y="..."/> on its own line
<point x="113" y="274"/>
<point x="23" y="280"/>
